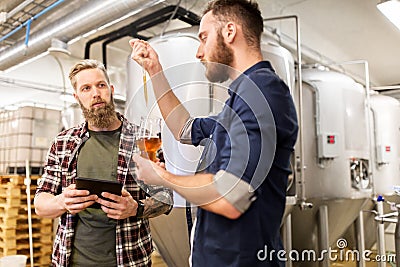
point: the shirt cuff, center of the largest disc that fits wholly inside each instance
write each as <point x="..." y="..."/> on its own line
<point x="185" y="135"/>
<point x="236" y="191"/>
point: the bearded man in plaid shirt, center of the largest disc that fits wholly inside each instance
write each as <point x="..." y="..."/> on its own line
<point x="93" y="231"/>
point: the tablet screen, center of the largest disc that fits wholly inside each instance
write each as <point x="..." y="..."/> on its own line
<point x="97" y="186"/>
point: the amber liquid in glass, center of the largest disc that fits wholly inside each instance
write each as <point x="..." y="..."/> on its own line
<point x="148" y="147"/>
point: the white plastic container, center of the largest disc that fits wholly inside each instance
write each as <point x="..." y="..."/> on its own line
<point x="13" y="261"/>
<point x="27" y="134"/>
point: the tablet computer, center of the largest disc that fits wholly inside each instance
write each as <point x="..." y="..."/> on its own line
<point x="97" y="186"/>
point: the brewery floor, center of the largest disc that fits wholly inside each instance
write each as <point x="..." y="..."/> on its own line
<point x="158" y="262"/>
<point x="354" y="264"/>
<point x="389" y="247"/>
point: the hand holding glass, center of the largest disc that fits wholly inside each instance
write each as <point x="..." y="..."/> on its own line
<point x="149" y="137"/>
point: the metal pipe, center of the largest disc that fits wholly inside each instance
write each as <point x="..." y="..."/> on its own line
<point x="371" y="164"/>
<point x="360" y="238"/>
<point x="317" y="117"/>
<point x="142" y="24"/>
<point x="18" y="8"/>
<point x="27" y="182"/>
<point x="133" y="28"/>
<point x="29" y="21"/>
<point x="397" y="240"/>
<point x="381" y="232"/>
<point x="48" y="88"/>
<point x="301" y="167"/>
<point x="313" y="55"/>
<point x="287" y="238"/>
<point x="47" y="9"/>
<point x="388" y="87"/>
<point x="382" y="219"/>
<point x="211" y="94"/>
<point x="324" y="233"/>
<point x="170" y="18"/>
<point x="89" y="16"/>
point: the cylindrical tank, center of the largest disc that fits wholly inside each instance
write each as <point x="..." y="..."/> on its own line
<point x="336" y="136"/>
<point x="336" y="157"/>
<point x="385" y="113"/>
<point x="177" y="53"/>
<point x="48" y="75"/>
<point x="281" y="60"/>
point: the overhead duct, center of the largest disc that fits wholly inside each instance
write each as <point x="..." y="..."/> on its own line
<point x="143" y="23"/>
<point x="87" y="17"/>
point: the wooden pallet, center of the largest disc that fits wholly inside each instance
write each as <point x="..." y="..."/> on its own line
<point x="8" y="243"/>
<point x="9" y="191"/>
<point x="14" y="226"/>
<point x="8" y="223"/>
<point x="39" y="258"/>
<point x="12" y="179"/>
<point x="8" y="210"/>
<point x="5" y="251"/>
<point x="16" y="179"/>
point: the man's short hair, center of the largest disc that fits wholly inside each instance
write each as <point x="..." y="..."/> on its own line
<point x="244" y="12"/>
<point x="86" y="64"/>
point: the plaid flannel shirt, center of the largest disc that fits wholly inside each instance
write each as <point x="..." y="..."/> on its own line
<point x="134" y="244"/>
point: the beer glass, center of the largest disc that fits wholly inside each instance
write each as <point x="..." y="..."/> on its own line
<point x="149" y="137"/>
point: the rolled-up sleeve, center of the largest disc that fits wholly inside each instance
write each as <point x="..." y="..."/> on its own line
<point x="235" y="190"/>
<point x="185" y="136"/>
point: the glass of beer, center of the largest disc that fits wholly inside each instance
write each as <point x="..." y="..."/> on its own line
<point x="149" y="137"/>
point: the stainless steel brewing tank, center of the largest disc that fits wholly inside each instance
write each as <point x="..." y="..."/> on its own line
<point x="177" y="54"/>
<point x="281" y="60"/>
<point x="385" y="113"/>
<point x="337" y="151"/>
<point x="337" y="179"/>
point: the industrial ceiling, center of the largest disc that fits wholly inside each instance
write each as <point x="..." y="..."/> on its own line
<point x="332" y="32"/>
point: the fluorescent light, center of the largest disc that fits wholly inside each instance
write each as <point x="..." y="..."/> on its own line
<point x="23" y="63"/>
<point x="391" y="9"/>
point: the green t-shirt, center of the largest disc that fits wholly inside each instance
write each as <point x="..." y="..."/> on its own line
<point x="95" y="236"/>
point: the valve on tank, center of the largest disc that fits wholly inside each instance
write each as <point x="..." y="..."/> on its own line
<point x="359" y="173"/>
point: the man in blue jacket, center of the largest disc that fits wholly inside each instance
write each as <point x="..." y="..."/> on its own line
<point x="241" y="190"/>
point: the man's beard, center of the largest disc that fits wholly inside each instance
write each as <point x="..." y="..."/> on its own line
<point x="217" y="68"/>
<point x="101" y="117"/>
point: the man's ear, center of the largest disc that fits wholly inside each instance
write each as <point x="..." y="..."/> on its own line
<point x="230" y="32"/>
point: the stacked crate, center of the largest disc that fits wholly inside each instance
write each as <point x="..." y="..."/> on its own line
<point x="26" y="134"/>
<point x="14" y="224"/>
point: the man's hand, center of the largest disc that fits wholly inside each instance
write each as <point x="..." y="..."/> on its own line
<point x="145" y="56"/>
<point x="149" y="172"/>
<point x="74" y="200"/>
<point x="123" y="206"/>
